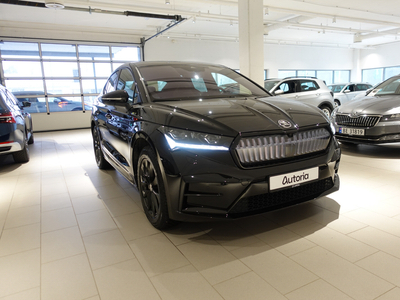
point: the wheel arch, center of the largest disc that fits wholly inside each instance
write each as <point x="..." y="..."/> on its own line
<point x="140" y="141"/>
<point x="326" y="103"/>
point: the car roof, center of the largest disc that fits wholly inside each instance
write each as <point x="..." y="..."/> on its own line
<point x="167" y="63"/>
<point x="356" y="82"/>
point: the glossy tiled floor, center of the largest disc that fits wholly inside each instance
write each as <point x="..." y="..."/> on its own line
<point x="70" y="231"/>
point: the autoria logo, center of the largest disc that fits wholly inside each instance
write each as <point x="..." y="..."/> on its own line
<point x="295" y="179"/>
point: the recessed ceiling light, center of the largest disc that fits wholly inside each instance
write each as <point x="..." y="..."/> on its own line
<point x="54" y="5"/>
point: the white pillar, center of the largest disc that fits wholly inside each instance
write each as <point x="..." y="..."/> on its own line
<point x="356" y="71"/>
<point x="251" y="39"/>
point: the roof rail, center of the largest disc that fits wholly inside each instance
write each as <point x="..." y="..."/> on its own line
<point x="300" y="77"/>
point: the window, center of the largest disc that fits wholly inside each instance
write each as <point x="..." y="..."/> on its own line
<point x="306" y="73"/>
<point x="194" y="82"/>
<point x="126" y="82"/>
<point x="111" y="83"/>
<point x="287" y="87"/>
<point x="308" y="85"/>
<point x="286" y="73"/>
<point x="372" y="76"/>
<point x="363" y="87"/>
<point x="60" y="77"/>
<point x="341" y="76"/>
<point x="389" y="72"/>
<point x="328" y="76"/>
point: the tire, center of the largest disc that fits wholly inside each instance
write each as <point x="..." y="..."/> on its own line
<point x="152" y="190"/>
<point x="31" y="140"/>
<point x="337" y="103"/>
<point x="23" y="155"/>
<point x="98" y="152"/>
<point x="326" y="110"/>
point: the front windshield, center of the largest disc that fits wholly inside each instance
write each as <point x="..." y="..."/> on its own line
<point x="193" y="82"/>
<point x="336" y="88"/>
<point x="269" y="84"/>
<point x="388" y="87"/>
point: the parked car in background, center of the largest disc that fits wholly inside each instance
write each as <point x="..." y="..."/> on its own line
<point x="345" y="92"/>
<point x="366" y="93"/>
<point x="372" y="119"/>
<point x="15" y="127"/>
<point x="305" y="89"/>
<point x="202" y="141"/>
<point x="56" y="103"/>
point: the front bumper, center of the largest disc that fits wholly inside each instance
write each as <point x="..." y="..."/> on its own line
<point x="229" y="192"/>
<point x="383" y="132"/>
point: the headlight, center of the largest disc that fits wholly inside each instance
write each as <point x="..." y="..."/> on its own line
<point x="389" y="118"/>
<point x="178" y="138"/>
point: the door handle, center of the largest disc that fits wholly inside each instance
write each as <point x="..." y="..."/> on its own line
<point x="108" y="116"/>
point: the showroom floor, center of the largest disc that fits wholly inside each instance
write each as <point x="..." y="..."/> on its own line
<point x="70" y="231"/>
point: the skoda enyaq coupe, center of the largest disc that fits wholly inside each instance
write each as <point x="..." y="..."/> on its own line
<point x="202" y="141"/>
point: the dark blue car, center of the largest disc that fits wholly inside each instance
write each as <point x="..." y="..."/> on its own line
<point x="15" y="127"/>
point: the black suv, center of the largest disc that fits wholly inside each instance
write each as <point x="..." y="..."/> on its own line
<point x="15" y="127"/>
<point x="203" y="141"/>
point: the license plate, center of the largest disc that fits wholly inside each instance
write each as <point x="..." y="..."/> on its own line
<point x="292" y="179"/>
<point x="351" y="131"/>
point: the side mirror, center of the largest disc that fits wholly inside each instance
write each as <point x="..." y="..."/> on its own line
<point x="115" y="97"/>
<point x="346" y="91"/>
<point x="279" y="92"/>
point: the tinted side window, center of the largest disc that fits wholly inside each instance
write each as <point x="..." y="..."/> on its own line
<point x="111" y="83"/>
<point x="350" y="87"/>
<point x="127" y="82"/>
<point x="308" y="85"/>
<point x="362" y="87"/>
<point x="287" y="87"/>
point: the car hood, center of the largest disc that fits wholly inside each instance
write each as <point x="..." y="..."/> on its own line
<point x="389" y="104"/>
<point x="232" y="116"/>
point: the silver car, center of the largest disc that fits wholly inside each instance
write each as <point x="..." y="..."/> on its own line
<point x="372" y="119"/>
<point x="310" y="90"/>
<point x="345" y="92"/>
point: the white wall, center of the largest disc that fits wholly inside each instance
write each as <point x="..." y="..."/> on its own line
<point x="227" y="53"/>
<point x="382" y="56"/>
<point x="163" y="49"/>
<point x="60" y="120"/>
<point x="307" y="58"/>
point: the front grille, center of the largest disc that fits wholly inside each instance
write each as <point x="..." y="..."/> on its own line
<point x="360" y="121"/>
<point x="281" y="198"/>
<point x="266" y="148"/>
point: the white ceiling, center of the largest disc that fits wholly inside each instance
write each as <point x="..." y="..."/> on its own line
<point x="336" y="23"/>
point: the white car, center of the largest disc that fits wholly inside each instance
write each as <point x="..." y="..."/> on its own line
<point x="345" y="92"/>
<point x="309" y="90"/>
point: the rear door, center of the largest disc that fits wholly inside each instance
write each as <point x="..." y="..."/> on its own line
<point x="307" y="90"/>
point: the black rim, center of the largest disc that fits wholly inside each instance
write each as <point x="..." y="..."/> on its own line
<point x="96" y="146"/>
<point x="149" y="188"/>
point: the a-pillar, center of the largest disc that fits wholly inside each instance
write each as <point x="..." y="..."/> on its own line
<point x="251" y="39"/>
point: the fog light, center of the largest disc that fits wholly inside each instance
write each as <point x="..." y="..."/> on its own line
<point x="390" y="137"/>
